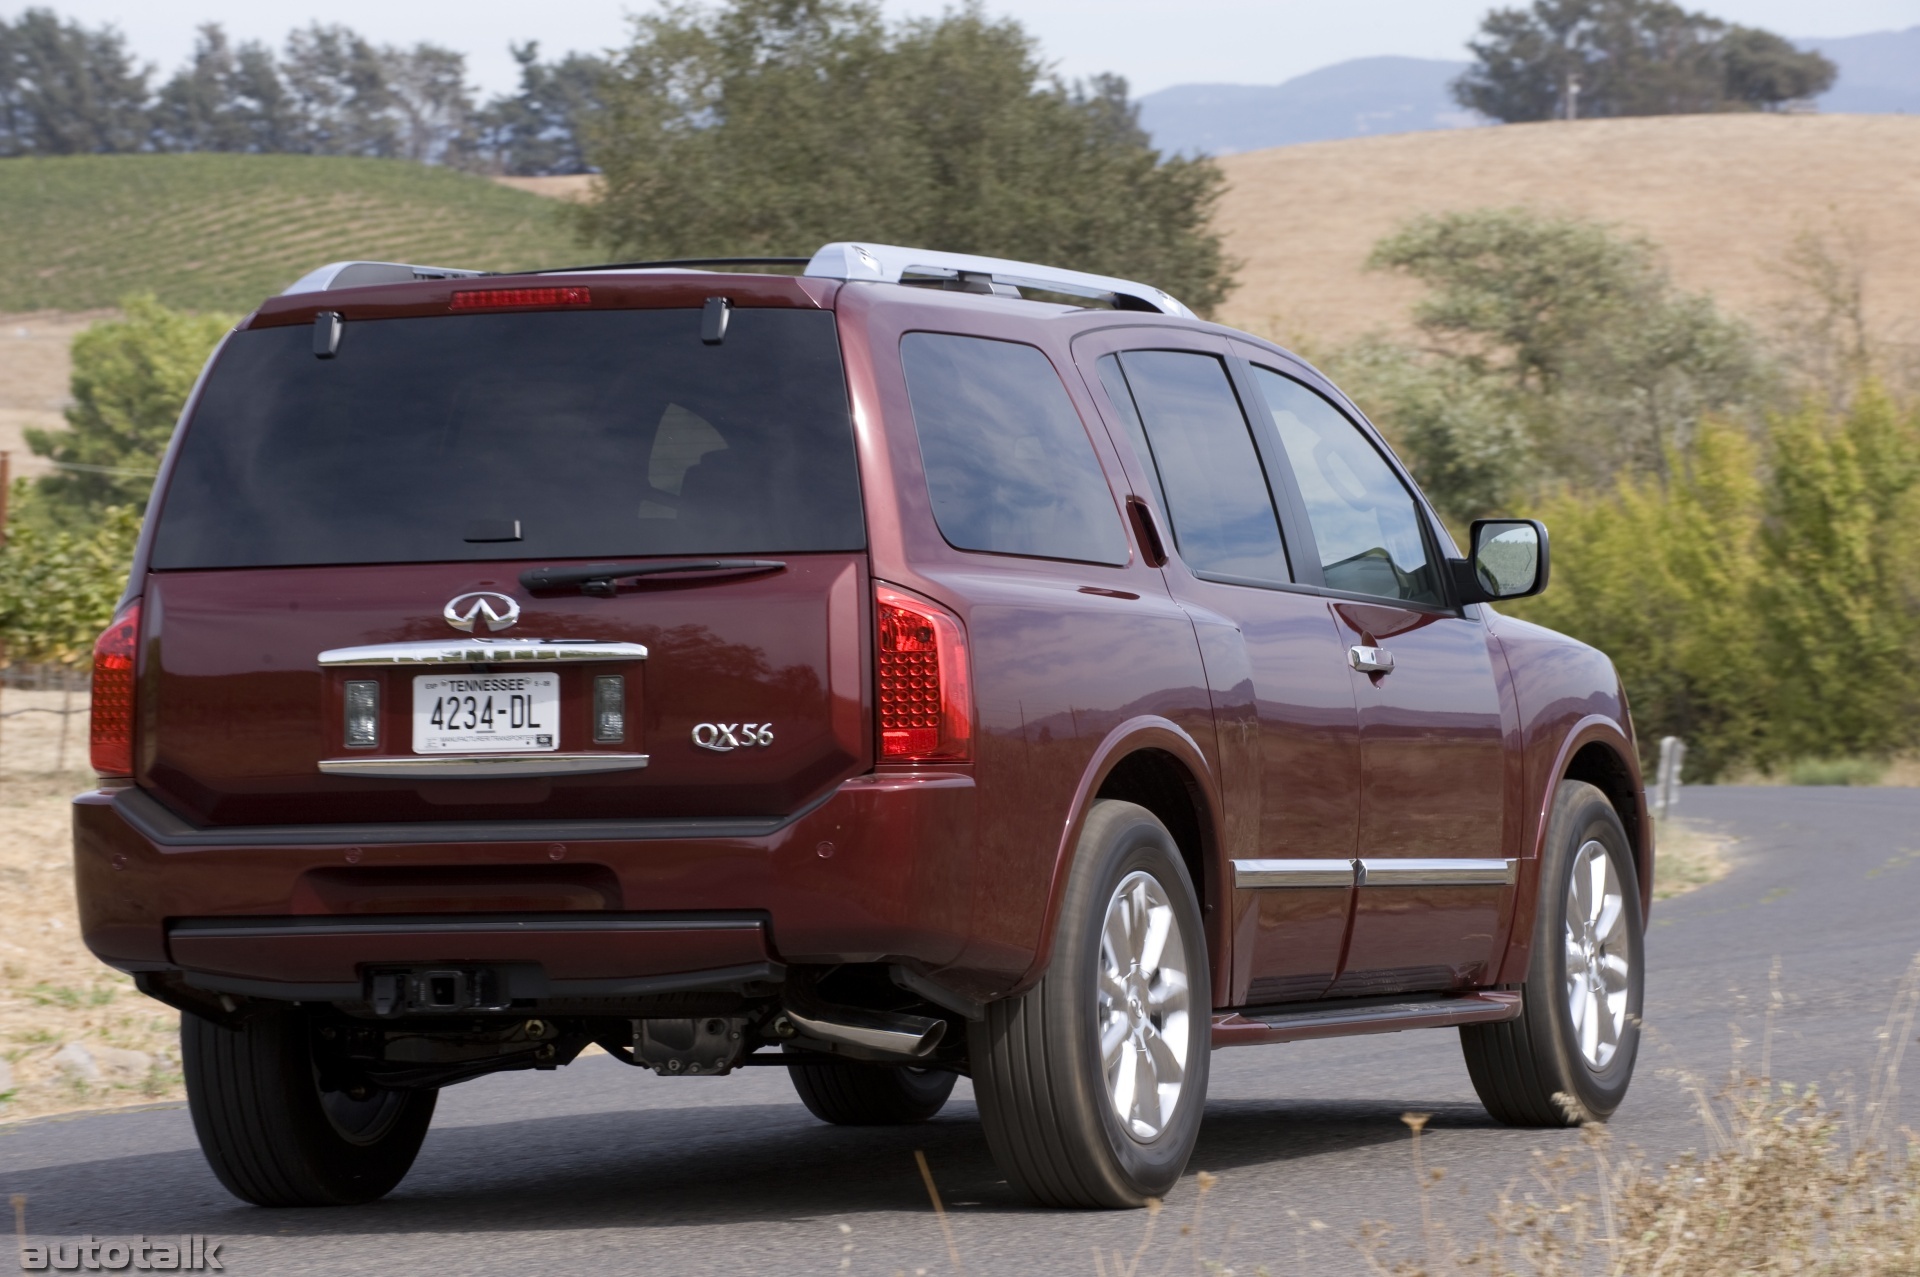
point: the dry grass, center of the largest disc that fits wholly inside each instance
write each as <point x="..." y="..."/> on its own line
<point x="1688" y="855"/>
<point x="54" y="994"/>
<point x="1724" y="195"/>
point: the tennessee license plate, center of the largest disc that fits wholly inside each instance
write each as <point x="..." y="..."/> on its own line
<point x="486" y="713"/>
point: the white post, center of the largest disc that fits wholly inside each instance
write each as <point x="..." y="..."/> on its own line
<point x="1673" y="755"/>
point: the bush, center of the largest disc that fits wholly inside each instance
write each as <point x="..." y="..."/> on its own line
<point x="58" y="589"/>
<point x="1836" y="771"/>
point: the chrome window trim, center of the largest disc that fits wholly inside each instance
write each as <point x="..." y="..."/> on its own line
<point x="1410" y="872"/>
<point x="1324" y="872"/>
<point x="475" y="766"/>
<point x="480" y="651"/>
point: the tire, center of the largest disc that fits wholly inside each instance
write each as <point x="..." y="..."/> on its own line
<point x="1050" y="1101"/>
<point x="855" y="1094"/>
<point x="273" y="1137"/>
<point x="1555" y="1065"/>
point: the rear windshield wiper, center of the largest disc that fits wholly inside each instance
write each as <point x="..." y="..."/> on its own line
<point x="600" y="578"/>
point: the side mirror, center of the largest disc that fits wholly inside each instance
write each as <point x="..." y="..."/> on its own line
<point x="1508" y="561"/>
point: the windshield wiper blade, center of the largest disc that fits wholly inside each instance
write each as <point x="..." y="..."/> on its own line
<point x="600" y="578"/>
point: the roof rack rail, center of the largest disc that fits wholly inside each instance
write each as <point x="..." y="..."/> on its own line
<point x="888" y="263"/>
<point x="359" y="274"/>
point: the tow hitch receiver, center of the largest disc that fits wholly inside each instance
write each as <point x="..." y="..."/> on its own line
<point x="414" y="990"/>
<point x="708" y="1046"/>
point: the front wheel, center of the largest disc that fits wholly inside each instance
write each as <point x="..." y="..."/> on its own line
<point x="273" y="1136"/>
<point x="1568" y="1058"/>
<point x="1091" y="1084"/>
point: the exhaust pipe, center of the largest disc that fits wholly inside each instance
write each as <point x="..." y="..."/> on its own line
<point x="883" y="1032"/>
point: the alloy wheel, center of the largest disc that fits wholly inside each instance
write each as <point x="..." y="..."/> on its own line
<point x="1146" y="1028"/>
<point x="1598" y="971"/>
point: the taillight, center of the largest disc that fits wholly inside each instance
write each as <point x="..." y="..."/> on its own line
<point x="926" y="708"/>
<point x="113" y="658"/>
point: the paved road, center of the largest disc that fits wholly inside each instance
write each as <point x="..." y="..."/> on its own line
<point x="599" y="1167"/>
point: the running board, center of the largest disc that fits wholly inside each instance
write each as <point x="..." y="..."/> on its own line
<point x="1253" y="1027"/>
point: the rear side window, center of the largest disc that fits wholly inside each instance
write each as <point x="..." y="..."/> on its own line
<point x="1009" y="466"/>
<point x="597" y="434"/>
<point x="1206" y="465"/>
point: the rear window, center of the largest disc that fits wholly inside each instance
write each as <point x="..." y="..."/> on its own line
<point x="552" y="435"/>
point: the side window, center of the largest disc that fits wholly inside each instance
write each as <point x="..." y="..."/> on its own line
<point x="1210" y="476"/>
<point x="1115" y="382"/>
<point x="1367" y="523"/>
<point x="1009" y="465"/>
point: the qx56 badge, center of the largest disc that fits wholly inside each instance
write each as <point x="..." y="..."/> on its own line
<point x="723" y="738"/>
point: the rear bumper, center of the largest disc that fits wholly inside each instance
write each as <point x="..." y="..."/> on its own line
<point x="880" y="870"/>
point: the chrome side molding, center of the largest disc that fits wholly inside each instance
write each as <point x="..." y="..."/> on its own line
<point x="481" y="766"/>
<point x="1438" y="873"/>
<point x="480" y="651"/>
<point x="1331" y="872"/>
<point x="1251" y="874"/>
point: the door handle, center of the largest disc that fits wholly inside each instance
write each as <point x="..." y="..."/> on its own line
<point x="1370" y="660"/>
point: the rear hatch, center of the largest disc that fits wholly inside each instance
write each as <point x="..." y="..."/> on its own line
<point x="360" y="603"/>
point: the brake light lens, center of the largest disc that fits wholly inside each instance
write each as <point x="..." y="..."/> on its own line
<point x="112" y="716"/>
<point x="926" y="704"/>
<point x="519" y="298"/>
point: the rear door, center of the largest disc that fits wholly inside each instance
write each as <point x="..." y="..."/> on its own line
<point x="1435" y="884"/>
<point x="1272" y="654"/>
<point x="363" y="604"/>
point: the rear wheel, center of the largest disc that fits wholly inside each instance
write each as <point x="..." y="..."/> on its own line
<point x="1091" y="1084"/>
<point x="1569" y="1057"/>
<point x="273" y="1136"/>
<point x="855" y="1094"/>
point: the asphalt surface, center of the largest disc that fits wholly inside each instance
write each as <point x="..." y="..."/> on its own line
<point x="600" y="1167"/>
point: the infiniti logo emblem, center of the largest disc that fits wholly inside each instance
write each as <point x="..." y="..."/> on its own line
<point x="464" y="612"/>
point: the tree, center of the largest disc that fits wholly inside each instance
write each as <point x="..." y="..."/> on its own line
<point x="773" y="126"/>
<point x="65" y="90"/>
<point x="1839" y="593"/>
<point x="131" y="378"/>
<point x="1663" y="580"/>
<point x="1600" y="58"/>
<point x="1608" y="363"/>
<point x="226" y="99"/>
<point x="537" y="131"/>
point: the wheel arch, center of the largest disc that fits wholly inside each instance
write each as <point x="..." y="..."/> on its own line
<point x="1153" y="762"/>
<point x="1599" y="752"/>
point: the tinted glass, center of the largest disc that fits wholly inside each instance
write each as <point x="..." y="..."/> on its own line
<point x="605" y="434"/>
<point x="1009" y="465"/>
<point x="1365" y="520"/>
<point x="1115" y="382"/>
<point x="1215" y="489"/>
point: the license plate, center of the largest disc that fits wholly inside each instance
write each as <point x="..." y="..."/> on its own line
<point x="486" y="713"/>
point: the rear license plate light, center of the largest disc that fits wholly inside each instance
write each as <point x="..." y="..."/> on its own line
<point x="609" y="709"/>
<point x="363" y="713"/>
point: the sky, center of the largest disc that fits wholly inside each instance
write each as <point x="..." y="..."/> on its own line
<point x="1154" y="43"/>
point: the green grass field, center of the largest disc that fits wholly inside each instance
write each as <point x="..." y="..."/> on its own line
<point x="223" y="232"/>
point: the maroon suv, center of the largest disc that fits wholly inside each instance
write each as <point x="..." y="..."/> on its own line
<point x="918" y="666"/>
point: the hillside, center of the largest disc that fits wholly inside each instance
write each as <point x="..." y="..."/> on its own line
<point x="1723" y="195"/>
<point x="1362" y="97"/>
<point x="221" y="232"/>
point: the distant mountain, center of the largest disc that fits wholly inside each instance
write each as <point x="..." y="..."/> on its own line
<point x="1879" y="73"/>
<point x="1348" y="99"/>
